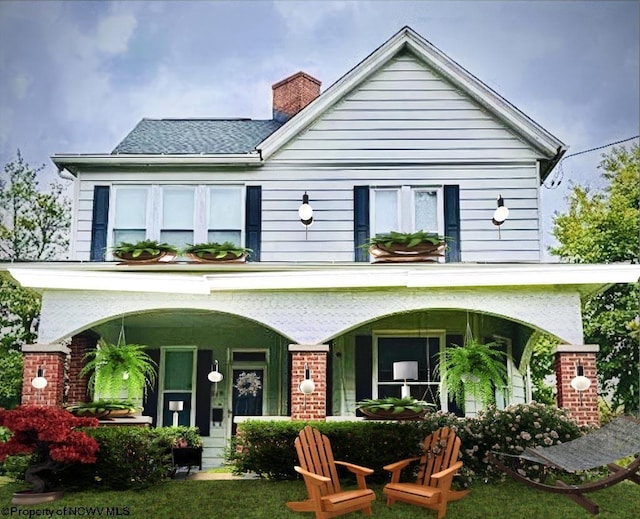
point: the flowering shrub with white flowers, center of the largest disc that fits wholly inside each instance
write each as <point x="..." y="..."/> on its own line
<point x="511" y="431"/>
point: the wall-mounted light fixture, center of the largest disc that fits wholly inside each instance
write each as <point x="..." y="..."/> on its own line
<point x="500" y="214"/>
<point x="215" y="376"/>
<point x="307" y="386"/>
<point x="406" y="370"/>
<point x="176" y="406"/>
<point x="305" y="212"/>
<point x="580" y="383"/>
<point x="39" y="382"/>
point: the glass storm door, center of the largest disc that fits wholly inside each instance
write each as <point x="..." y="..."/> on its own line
<point x="178" y="385"/>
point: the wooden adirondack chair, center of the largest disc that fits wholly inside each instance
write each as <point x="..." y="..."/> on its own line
<point x="318" y="468"/>
<point x="437" y="466"/>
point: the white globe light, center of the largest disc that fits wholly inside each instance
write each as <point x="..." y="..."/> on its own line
<point x="39" y="382"/>
<point x="307" y="386"/>
<point x="501" y="214"/>
<point x="215" y="376"/>
<point x="305" y="212"/>
<point x="580" y="383"/>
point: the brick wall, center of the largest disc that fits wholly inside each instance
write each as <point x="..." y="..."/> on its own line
<point x="583" y="405"/>
<point x="80" y="344"/>
<point x="313" y="406"/>
<point x="52" y="364"/>
<point x="292" y="94"/>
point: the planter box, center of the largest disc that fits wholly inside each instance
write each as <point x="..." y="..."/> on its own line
<point x="423" y="252"/>
<point x="186" y="457"/>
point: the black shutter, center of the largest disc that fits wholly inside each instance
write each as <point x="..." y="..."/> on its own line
<point x="364" y="367"/>
<point x="452" y="223"/>
<point x="150" y="406"/>
<point x="203" y="391"/>
<point x="458" y="340"/>
<point x="360" y="222"/>
<point x="253" y="221"/>
<point x="99" y="223"/>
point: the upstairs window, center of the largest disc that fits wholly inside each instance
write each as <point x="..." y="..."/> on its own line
<point x="225" y="214"/>
<point x="407" y="209"/>
<point x="130" y="214"/>
<point x="178" y="215"/>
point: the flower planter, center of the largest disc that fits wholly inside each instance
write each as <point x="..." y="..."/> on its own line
<point x="390" y="415"/>
<point x="29" y="497"/>
<point x="399" y="253"/>
<point x="145" y="257"/>
<point x="186" y="457"/>
<point x="212" y="258"/>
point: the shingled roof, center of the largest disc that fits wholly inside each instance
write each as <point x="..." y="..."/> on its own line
<point x="196" y="136"/>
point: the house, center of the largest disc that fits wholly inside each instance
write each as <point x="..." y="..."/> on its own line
<point x="406" y="140"/>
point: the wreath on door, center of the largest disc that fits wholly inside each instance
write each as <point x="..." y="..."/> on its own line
<point x="248" y="384"/>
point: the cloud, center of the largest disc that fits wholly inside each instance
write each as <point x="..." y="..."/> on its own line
<point x="114" y="32"/>
<point x="304" y="17"/>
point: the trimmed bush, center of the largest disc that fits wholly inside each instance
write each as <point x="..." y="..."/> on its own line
<point x="267" y="448"/>
<point x="129" y="458"/>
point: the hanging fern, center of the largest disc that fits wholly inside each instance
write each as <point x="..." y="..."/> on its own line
<point x="475" y="369"/>
<point x="114" y="368"/>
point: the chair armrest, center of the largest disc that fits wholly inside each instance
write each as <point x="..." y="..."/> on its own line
<point x="313" y="478"/>
<point x="356" y="469"/>
<point x="399" y="465"/>
<point x="444" y="473"/>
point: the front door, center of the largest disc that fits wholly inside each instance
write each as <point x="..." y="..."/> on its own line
<point x="247" y="394"/>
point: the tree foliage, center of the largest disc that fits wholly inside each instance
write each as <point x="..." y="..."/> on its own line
<point x="604" y="227"/>
<point x="34" y="226"/>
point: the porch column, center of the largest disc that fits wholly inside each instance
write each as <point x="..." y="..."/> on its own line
<point x="314" y="406"/>
<point x="51" y="359"/>
<point x="79" y="346"/>
<point x="582" y="405"/>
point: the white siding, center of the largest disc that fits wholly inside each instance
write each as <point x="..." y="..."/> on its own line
<point x="403" y="126"/>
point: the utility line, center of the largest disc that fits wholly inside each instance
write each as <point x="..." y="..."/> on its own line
<point x="601" y="147"/>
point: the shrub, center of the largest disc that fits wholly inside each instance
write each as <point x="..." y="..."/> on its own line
<point x="267" y="448"/>
<point x="15" y="466"/>
<point x="129" y="457"/>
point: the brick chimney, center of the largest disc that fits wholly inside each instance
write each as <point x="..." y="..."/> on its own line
<point x="292" y="94"/>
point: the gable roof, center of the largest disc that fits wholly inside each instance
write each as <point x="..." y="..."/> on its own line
<point x="550" y="147"/>
<point x="196" y="136"/>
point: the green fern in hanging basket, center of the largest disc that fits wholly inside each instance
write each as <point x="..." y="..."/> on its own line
<point x="473" y="369"/>
<point x="115" y="369"/>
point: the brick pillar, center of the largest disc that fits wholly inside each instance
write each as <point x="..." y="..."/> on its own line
<point x="51" y="358"/>
<point x="582" y="405"/>
<point x="315" y="357"/>
<point x="80" y="344"/>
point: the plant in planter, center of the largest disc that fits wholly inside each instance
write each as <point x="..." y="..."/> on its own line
<point x="394" y="408"/>
<point x="216" y="252"/>
<point x="51" y="435"/>
<point x="115" y="369"/>
<point x="103" y="408"/>
<point x="146" y="251"/>
<point x="473" y="369"/>
<point x="185" y="445"/>
<point x="397" y="247"/>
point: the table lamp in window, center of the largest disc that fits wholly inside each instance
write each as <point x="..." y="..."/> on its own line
<point x="406" y="370"/>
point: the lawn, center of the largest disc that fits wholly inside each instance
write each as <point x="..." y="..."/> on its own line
<point x="249" y="499"/>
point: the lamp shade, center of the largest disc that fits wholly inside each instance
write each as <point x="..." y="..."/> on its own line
<point x="406" y="370"/>
<point x="307" y="386"/>
<point x="176" y="405"/>
<point x="215" y="376"/>
<point x="580" y="383"/>
<point x="39" y="382"/>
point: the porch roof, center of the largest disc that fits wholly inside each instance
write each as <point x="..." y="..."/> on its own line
<point x="188" y="278"/>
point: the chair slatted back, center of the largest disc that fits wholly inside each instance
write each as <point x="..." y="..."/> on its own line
<point x="315" y="455"/>
<point x="440" y="451"/>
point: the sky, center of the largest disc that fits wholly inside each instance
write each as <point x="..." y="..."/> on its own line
<point x="76" y="76"/>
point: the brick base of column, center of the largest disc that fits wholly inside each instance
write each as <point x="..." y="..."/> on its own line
<point x="314" y="405"/>
<point x="582" y="405"/>
<point x="79" y="346"/>
<point x="51" y="359"/>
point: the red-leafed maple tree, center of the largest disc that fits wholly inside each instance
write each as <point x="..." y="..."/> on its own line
<point x="50" y="434"/>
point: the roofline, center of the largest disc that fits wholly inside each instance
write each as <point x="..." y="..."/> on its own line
<point x="73" y="162"/>
<point x="204" y="279"/>
<point x="531" y="131"/>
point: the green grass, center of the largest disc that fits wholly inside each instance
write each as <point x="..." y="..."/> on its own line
<point x="249" y="499"/>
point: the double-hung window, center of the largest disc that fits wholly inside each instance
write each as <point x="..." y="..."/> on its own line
<point x="225" y="214"/>
<point x="407" y="209"/>
<point x="178" y="215"/>
<point x="130" y="210"/>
